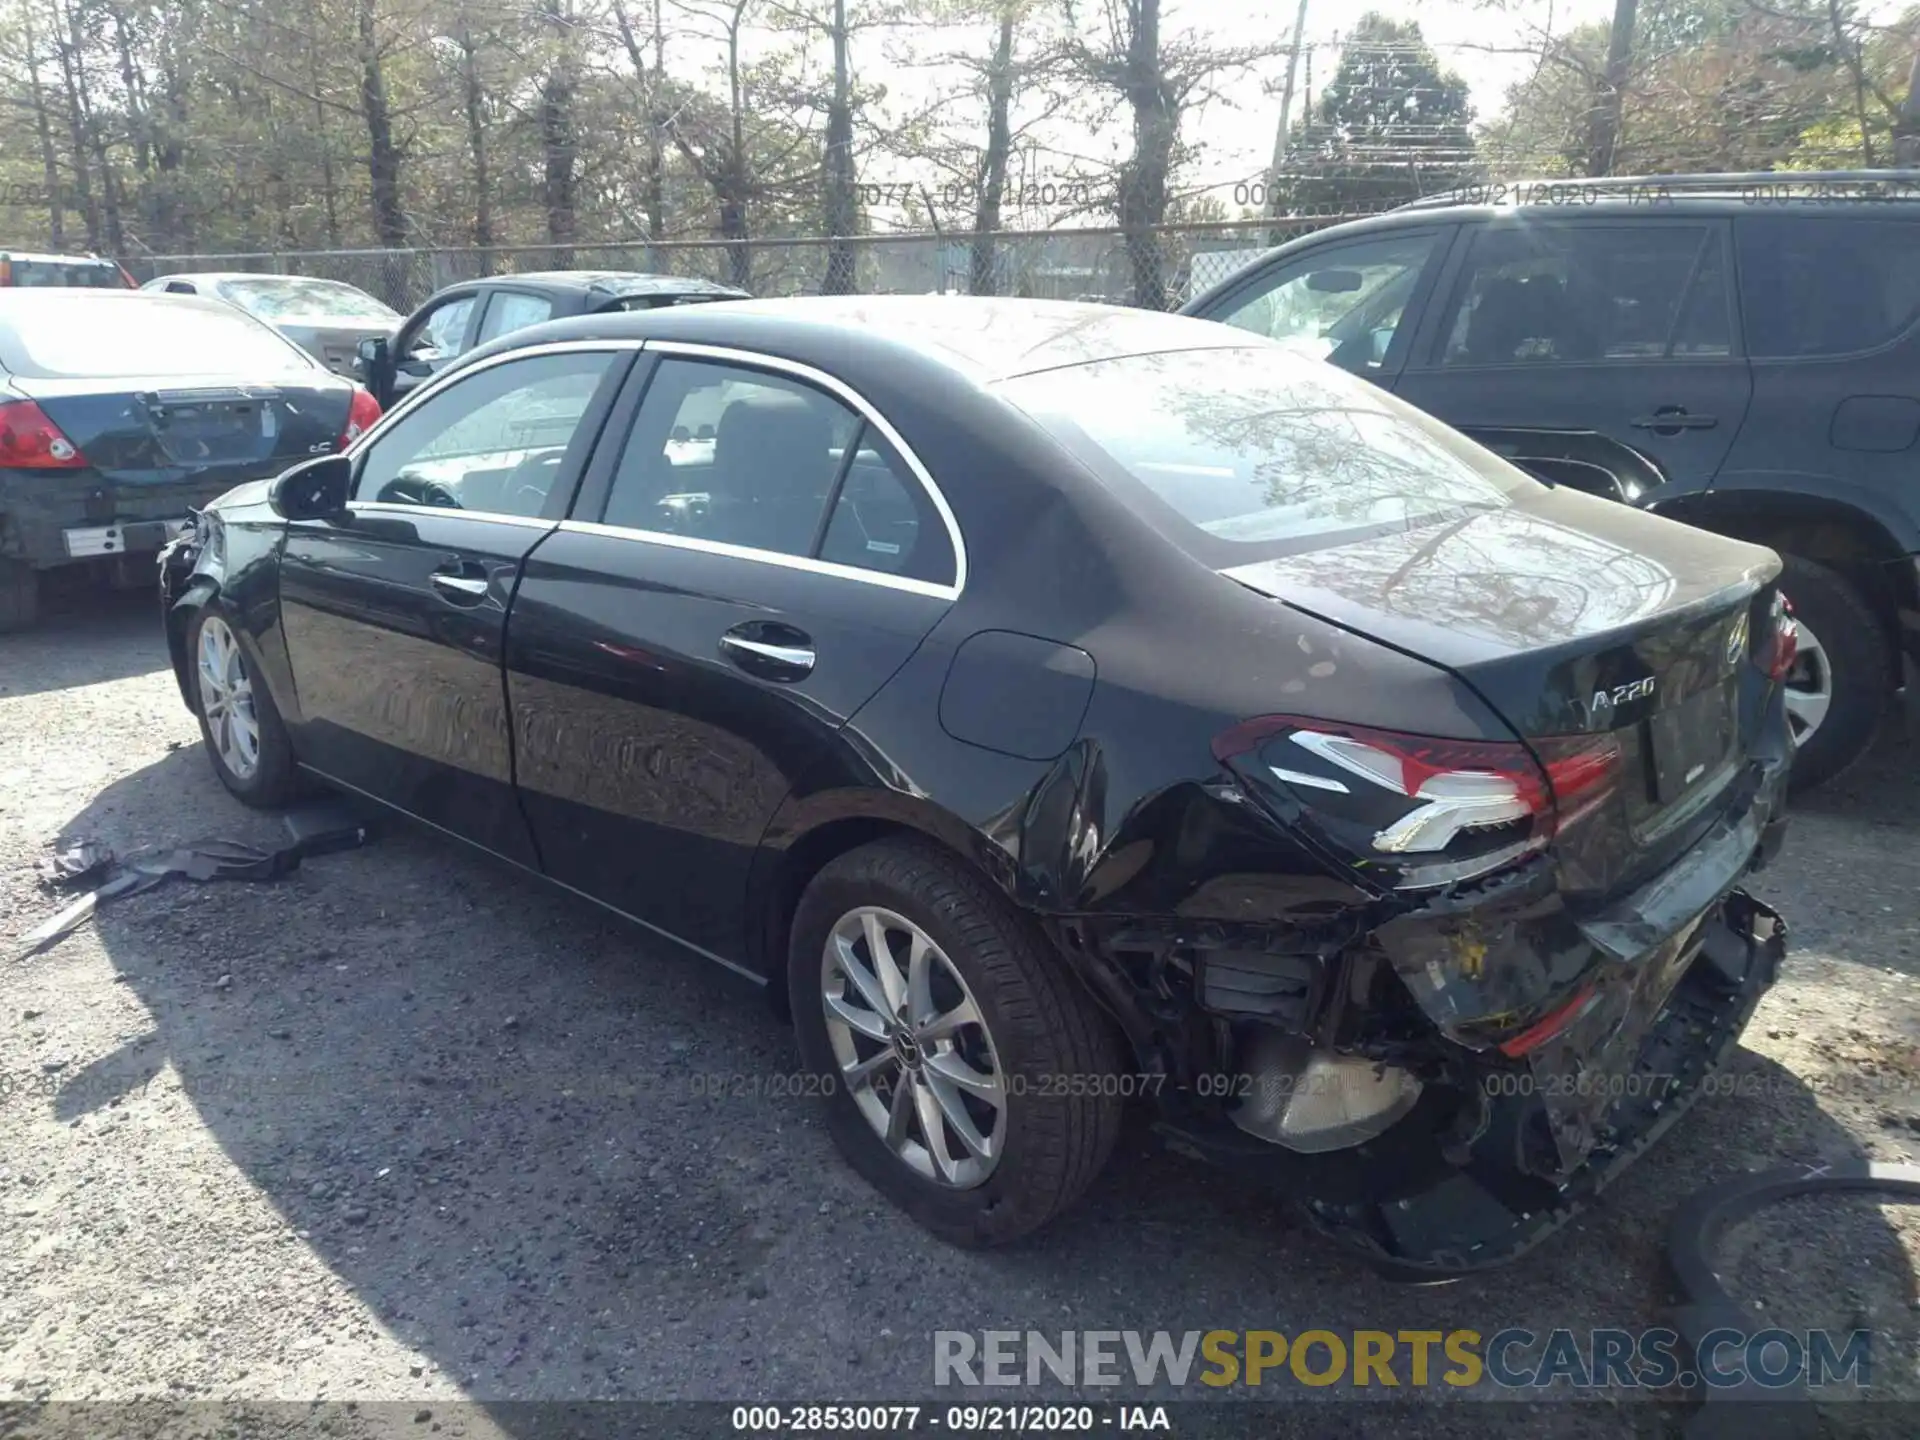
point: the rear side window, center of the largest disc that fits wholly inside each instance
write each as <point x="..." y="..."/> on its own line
<point x="1533" y="295"/>
<point x="745" y="457"/>
<point x="76" y="336"/>
<point x="64" y="274"/>
<point x="1826" y="286"/>
<point x="511" y="310"/>
<point x="1260" y="447"/>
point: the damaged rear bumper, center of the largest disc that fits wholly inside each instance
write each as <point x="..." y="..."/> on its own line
<point x="1552" y="1042"/>
<point x="1478" y="1173"/>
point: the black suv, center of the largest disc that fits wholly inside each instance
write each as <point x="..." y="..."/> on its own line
<point x="1741" y="352"/>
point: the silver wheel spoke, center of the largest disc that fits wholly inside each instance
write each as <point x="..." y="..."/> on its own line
<point x="865" y="1072"/>
<point x="950" y="1069"/>
<point x="942" y="1027"/>
<point x="919" y="980"/>
<point x="900" y="1112"/>
<point x="930" y="1117"/>
<point x="954" y="1112"/>
<point x="880" y="956"/>
<point x="863" y="981"/>
<point x="873" y="1026"/>
<point x="1807" y="709"/>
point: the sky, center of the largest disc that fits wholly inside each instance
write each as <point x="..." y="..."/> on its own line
<point x="1489" y="49"/>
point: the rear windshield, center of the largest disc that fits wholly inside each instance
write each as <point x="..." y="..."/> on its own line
<point x="64" y="274"/>
<point x="282" y="297"/>
<point x="1258" y="446"/>
<point x="72" y="336"/>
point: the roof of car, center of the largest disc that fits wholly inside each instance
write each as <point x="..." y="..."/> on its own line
<point x="980" y="338"/>
<point x="248" y="275"/>
<point x="36" y="257"/>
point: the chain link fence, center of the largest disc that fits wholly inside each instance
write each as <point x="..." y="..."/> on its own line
<point x="1100" y="264"/>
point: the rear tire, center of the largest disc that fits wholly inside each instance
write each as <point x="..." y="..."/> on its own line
<point x="1038" y="1039"/>
<point x="245" y="737"/>
<point x="19" y="596"/>
<point x="1852" y="666"/>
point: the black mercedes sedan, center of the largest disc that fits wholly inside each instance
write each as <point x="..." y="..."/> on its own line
<point x="1054" y="707"/>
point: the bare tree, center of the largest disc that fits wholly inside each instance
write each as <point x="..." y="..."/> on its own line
<point x="1119" y="46"/>
<point x="1603" y="136"/>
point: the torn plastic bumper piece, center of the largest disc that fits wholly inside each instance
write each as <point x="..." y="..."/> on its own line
<point x="319" y="827"/>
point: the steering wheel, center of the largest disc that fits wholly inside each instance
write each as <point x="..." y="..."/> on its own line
<point x="406" y="489"/>
<point x="532" y="479"/>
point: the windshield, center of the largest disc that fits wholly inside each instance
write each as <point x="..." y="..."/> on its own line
<point x="1258" y="446"/>
<point x="65" y="274"/>
<point x="283" y="297"/>
<point x="72" y="336"/>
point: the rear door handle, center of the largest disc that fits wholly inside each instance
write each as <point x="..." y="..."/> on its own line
<point x="769" y="650"/>
<point x="1672" y="419"/>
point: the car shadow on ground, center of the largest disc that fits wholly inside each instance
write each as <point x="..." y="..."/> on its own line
<point x="560" y="1160"/>
<point x="84" y="637"/>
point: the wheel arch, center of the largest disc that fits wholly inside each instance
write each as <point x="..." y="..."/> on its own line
<point x="200" y="589"/>
<point x="807" y="837"/>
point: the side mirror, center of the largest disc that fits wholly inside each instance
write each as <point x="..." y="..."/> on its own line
<point x="372" y="351"/>
<point x="1335" y="282"/>
<point x="314" y="489"/>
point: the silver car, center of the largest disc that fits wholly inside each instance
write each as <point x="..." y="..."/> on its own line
<point x="326" y="318"/>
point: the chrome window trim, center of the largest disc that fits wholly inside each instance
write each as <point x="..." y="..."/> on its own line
<point x="447" y="379"/>
<point x="766" y="557"/>
<point x="389" y="507"/>
<point x="860" y="405"/>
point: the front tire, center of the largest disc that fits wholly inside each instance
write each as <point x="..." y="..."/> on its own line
<point x="1837" y="689"/>
<point x="245" y="737"/>
<point x="969" y="1078"/>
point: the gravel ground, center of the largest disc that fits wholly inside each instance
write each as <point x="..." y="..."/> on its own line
<point x="406" y="1127"/>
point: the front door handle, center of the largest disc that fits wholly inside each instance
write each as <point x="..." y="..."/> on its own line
<point x="460" y="588"/>
<point x="1672" y="419"/>
<point x="769" y="650"/>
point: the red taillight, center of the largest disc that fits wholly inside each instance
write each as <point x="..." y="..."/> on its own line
<point x="1776" y="651"/>
<point x="1441" y="809"/>
<point x="362" y="411"/>
<point x="30" y="441"/>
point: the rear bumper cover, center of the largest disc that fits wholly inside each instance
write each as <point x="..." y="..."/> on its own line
<point x="50" y="518"/>
<point x="1505" y="1145"/>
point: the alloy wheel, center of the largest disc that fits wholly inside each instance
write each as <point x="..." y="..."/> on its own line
<point x="1809" y="693"/>
<point x="913" y="1047"/>
<point x="226" y="699"/>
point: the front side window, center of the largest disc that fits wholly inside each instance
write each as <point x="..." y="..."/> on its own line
<point x="1226" y="449"/>
<point x="1826" y="286"/>
<point x="1567" y="294"/>
<point x="493" y="442"/>
<point x="1342" y="303"/>
<point x="747" y="457"/>
<point x="445" y="328"/>
<point x="511" y="310"/>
